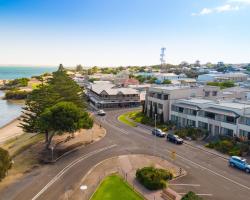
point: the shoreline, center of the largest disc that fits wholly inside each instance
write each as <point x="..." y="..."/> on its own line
<point x="10" y="130"/>
<point x="9" y="123"/>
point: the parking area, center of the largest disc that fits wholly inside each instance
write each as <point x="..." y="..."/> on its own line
<point x="185" y="184"/>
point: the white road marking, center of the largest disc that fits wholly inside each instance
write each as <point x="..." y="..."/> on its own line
<point x="64" y="170"/>
<point x="183" y="184"/>
<point x="198" y="194"/>
<point x="211" y="171"/>
<point x="215" y="173"/>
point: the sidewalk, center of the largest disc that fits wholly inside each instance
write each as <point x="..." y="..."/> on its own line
<point x="126" y="166"/>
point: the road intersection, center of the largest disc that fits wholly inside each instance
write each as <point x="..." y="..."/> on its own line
<point x="208" y="174"/>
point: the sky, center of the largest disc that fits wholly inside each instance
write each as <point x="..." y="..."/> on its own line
<point x="123" y="32"/>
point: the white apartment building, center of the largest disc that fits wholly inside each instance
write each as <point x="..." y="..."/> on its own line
<point x="159" y="98"/>
<point x="236" y="77"/>
<point x="230" y="118"/>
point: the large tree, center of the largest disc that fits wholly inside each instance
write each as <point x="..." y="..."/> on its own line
<point x="63" y="117"/>
<point x="60" y="88"/>
<point x="5" y="163"/>
<point x="79" y="68"/>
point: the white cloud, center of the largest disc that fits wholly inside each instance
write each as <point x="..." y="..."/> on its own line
<point x="226" y="8"/>
<point x="239" y="1"/>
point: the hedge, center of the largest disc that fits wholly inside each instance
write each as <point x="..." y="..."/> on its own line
<point x="153" y="178"/>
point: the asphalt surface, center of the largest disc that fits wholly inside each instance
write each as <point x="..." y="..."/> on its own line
<point x="208" y="175"/>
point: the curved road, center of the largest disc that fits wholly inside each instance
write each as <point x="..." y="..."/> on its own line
<point x="216" y="180"/>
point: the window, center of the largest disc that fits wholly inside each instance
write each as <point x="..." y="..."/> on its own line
<point x="202" y="125"/>
<point x="214" y="93"/>
<point x="180" y="109"/>
<point x="158" y="96"/>
<point x="160" y="106"/>
<point x="207" y="93"/>
<point x="210" y="115"/>
<point x="230" y="119"/>
<point x="165" y="97"/>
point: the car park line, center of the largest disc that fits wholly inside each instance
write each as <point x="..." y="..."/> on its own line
<point x="184" y="184"/>
<point x="210" y="195"/>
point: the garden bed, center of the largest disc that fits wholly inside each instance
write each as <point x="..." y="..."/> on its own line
<point x="229" y="146"/>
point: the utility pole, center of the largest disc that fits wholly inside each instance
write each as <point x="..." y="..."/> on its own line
<point x="155" y="136"/>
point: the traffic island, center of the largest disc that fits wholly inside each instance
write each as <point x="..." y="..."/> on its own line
<point x="68" y="143"/>
<point x="126" y="166"/>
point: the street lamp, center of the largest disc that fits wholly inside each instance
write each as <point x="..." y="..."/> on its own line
<point x="83" y="188"/>
<point x="155" y="136"/>
<point x="52" y="153"/>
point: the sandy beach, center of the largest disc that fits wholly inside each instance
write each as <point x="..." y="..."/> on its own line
<point x="10" y="130"/>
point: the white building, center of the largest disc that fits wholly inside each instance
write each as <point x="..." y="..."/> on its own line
<point x="236" y="77"/>
<point x="230" y="118"/>
<point x="159" y="98"/>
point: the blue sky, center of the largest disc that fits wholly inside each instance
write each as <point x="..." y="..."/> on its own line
<point x="123" y="32"/>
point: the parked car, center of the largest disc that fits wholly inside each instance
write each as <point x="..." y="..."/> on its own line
<point x="174" y="138"/>
<point x="240" y="163"/>
<point x="158" y="132"/>
<point x="101" y="112"/>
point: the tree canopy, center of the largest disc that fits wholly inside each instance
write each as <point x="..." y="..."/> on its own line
<point x="60" y="88"/>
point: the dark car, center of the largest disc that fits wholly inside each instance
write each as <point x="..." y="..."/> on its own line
<point x="158" y="132"/>
<point x="174" y="138"/>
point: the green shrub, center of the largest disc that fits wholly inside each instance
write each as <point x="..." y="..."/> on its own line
<point x="194" y="133"/>
<point x="5" y="163"/>
<point x="153" y="178"/>
<point x="191" y="196"/>
<point x="21" y="82"/>
<point x="16" y="94"/>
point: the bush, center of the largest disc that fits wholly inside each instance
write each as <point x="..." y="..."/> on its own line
<point x="191" y="196"/>
<point x="5" y="163"/>
<point x="21" y="82"/>
<point x="194" y="133"/>
<point x="229" y="146"/>
<point x="153" y="178"/>
<point x="16" y="94"/>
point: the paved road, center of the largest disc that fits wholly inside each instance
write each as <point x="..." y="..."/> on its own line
<point x="208" y="174"/>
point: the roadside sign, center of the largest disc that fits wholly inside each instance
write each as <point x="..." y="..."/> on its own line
<point x="173" y="155"/>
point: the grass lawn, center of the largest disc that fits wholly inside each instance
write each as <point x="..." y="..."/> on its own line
<point x="124" y="119"/>
<point x="115" y="188"/>
<point x="133" y="117"/>
<point x="21" y="143"/>
<point x="24" y="154"/>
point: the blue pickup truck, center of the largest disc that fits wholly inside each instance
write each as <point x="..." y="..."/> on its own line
<point x="240" y="163"/>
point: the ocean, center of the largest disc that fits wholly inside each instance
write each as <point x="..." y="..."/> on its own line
<point x="7" y="73"/>
<point x="9" y="111"/>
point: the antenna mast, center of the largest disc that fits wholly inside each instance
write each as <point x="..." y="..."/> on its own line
<point x="162" y="57"/>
